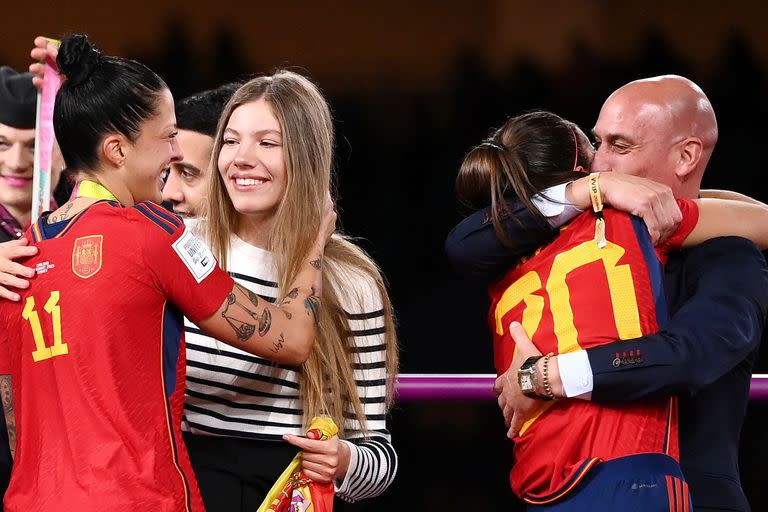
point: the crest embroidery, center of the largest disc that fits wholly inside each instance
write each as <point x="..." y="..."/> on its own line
<point x="86" y="256"/>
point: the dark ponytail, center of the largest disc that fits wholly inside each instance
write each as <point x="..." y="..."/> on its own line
<point x="101" y="95"/>
<point x="480" y="166"/>
<point x="529" y="153"/>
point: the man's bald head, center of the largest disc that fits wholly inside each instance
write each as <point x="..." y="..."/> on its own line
<point x="688" y="107"/>
<point x="663" y="128"/>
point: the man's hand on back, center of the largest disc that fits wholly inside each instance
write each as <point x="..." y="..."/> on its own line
<point x="515" y="406"/>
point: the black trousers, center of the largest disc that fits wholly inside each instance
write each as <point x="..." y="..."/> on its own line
<point x="235" y="474"/>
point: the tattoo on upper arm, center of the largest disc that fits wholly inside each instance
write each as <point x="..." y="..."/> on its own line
<point x="6" y="390"/>
<point x="312" y="303"/>
<point x="316" y="263"/>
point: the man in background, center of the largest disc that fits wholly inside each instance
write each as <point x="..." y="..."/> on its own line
<point x="197" y="117"/>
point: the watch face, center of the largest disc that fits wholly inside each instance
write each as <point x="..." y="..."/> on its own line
<point x="526" y="384"/>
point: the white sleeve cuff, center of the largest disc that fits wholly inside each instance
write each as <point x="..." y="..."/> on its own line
<point x="552" y="203"/>
<point x="344" y="485"/>
<point x="576" y="374"/>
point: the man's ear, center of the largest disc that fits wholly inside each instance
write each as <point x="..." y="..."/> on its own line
<point x="114" y="149"/>
<point x="689" y="156"/>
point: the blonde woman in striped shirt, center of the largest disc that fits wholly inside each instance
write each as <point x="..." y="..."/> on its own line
<point x="244" y="416"/>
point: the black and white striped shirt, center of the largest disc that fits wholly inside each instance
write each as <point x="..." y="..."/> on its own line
<point x="233" y="393"/>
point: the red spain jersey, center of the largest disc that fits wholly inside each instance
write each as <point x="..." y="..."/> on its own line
<point x="575" y="295"/>
<point x="93" y="350"/>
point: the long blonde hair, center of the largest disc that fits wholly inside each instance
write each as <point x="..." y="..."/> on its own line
<point x="326" y="379"/>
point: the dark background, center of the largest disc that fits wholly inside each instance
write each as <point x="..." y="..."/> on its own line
<point x="412" y="86"/>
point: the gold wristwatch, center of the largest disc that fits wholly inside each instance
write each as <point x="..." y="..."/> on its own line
<point x="527" y="378"/>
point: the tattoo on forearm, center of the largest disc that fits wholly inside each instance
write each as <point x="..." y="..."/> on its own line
<point x="6" y="390"/>
<point x="251" y="296"/>
<point x="312" y="303"/>
<point x="277" y="345"/>
<point x="243" y="329"/>
<point x="265" y="323"/>
<point x="287" y="300"/>
<point x="316" y="263"/>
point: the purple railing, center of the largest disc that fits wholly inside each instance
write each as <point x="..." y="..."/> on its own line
<point x="480" y="387"/>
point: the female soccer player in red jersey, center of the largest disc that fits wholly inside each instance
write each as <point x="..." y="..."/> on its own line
<point x="93" y="347"/>
<point x="598" y="281"/>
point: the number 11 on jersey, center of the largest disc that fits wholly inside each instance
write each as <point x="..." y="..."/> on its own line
<point x="42" y="351"/>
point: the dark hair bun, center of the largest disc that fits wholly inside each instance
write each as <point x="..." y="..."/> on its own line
<point x="78" y="58"/>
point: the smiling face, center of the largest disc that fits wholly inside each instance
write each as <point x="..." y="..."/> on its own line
<point x="17" y="150"/>
<point x="251" y="161"/>
<point x="152" y="153"/>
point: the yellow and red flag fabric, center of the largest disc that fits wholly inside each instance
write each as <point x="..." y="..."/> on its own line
<point x="294" y="491"/>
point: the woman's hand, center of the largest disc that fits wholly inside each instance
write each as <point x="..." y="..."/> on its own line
<point x="322" y="461"/>
<point x="44" y="50"/>
<point x="12" y="273"/>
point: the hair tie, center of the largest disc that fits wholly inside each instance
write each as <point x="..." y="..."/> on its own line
<point x="493" y="144"/>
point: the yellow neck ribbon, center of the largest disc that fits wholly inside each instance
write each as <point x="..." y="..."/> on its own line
<point x="94" y="190"/>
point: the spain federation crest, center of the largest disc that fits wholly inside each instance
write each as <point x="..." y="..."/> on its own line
<point x="86" y="256"/>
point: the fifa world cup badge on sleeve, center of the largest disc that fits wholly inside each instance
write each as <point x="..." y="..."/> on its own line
<point x="86" y="256"/>
<point x="195" y="254"/>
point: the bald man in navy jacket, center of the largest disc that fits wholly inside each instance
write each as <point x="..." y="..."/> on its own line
<point x="661" y="128"/>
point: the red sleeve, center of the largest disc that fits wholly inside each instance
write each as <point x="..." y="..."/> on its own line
<point x="5" y="362"/>
<point x="690" y="211"/>
<point x="183" y="265"/>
